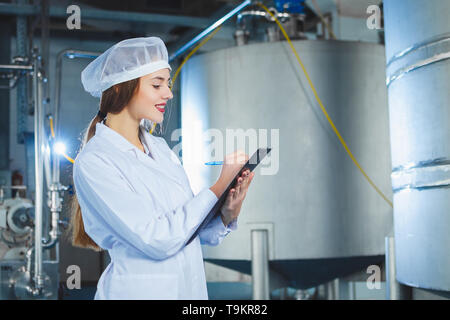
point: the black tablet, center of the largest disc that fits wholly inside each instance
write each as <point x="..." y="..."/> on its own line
<point x="250" y="164"/>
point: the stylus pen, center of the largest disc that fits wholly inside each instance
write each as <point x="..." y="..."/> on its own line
<point x="214" y="163"/>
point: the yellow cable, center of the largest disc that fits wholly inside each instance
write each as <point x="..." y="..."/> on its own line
<point x="193" y="51"/>
<point x="187" y="58"/>
<point x="51" y="127"/>
<point x="323" y="108"/>
<point x="68" y="158"/>
<point x="319" y="13"/>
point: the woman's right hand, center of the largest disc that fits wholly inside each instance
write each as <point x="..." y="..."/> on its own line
<point x="232" y="206"/>
<point x="232" y="164"/>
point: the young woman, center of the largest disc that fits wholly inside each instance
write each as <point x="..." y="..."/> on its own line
<point x="133" y="197"/>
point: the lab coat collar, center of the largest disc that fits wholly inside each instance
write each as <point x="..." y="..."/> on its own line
<point x="114" y="137"/>
<point x="167" y="165"/>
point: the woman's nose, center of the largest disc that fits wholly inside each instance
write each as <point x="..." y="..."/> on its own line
<point x="168" y="95"/>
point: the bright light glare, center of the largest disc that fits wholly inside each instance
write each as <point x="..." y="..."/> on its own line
<point x="59" y="148"/>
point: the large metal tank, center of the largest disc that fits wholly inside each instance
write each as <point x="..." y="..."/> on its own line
<point x="418" y="78"/>
<point x="323" y="218"/>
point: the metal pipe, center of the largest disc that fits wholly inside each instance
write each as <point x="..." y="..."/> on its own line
<point x="16" y="67"/>
<point x="418" y="55"/>
<point x="44" y="50"/>
<point x="28" y="256"/>
<point x="15" y="78"/>
<point x="336" y="284"/>
<point x="38" y="162"/>
<point x="394" y="290"/>
<point x="55" y="188"/>
<point x="47" y="166"/>
<point x="100" y="14"/>
<point x="332" y="290"/>
<point x="70" y="53"/>
<point x="209" y="29"/>
<point x="242" y="34"/>
<point x="260" y="264"/>
<point x="22" y="85"/>
<point x="55" y="208"/>
<point x="352" y="290"/>
<point x="263" y="14"/>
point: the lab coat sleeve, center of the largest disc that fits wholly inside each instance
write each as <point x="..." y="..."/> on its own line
<point x="110" y="208"/>
<point x="215" y="231"/>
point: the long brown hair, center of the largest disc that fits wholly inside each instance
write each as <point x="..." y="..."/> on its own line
<point x="113" y="101"/>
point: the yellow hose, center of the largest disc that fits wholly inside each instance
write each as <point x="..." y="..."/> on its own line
<point x="193" y="51"/>
<point x="68" y="158"/>
<point x="323" y="108"/>
<point x="327" y="25"/>
<point x="51" y="127"/>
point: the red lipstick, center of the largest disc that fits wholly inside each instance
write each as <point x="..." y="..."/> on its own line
<point x="161" y="109"/>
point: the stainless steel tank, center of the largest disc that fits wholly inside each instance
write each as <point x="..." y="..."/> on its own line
<point x="418" y="78"/>
<point x="323" y="218"/>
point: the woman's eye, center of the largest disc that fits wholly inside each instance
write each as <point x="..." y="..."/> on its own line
<point x="158" y="86"/>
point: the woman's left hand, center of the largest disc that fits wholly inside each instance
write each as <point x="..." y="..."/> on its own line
<point x="232" y="206"/>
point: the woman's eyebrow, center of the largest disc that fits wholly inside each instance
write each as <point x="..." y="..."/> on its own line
<point x="160" y="78"/>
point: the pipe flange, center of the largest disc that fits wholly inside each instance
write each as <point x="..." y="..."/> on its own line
<point x="20" y="218"/>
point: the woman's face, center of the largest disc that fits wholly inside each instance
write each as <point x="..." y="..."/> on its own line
<point x="150" y="100"/>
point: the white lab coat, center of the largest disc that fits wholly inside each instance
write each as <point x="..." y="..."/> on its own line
<point x="140" y="207"/>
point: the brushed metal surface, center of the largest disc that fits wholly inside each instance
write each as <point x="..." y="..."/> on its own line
<point x="318" y="204"/>
<point x="419" y="113"/>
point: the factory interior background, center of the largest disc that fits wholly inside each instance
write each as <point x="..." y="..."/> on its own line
<point x="353" y="97"/>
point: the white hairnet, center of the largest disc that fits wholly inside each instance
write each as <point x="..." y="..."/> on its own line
<point x="126" y="60"/>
